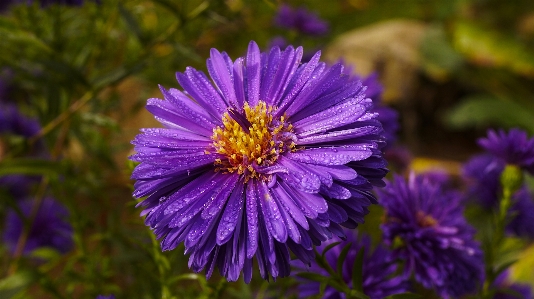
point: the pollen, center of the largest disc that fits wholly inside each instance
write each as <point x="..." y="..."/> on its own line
<point x="251" y="139"/>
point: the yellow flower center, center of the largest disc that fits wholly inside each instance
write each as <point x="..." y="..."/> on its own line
<point x="251" y="139"/>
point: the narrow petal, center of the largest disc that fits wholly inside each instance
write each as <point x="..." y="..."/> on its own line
<point x="253" y="74"/>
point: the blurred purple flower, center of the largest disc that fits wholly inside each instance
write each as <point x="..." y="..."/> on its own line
<point x="511" y="290"/>
<point x="482" y="176"/>
<point x="50" y="227"/>
<point x="437" y="244"/>
<point x="301" y="20"/>
<point x="271" y="155"/>
<point x="105" y="297"/>
<point x="522" y="214"/>
<point x="379" y="269"/>
<point x="513" y="147"/>
<point x="46" y="3"/>
<point x="12" y="122"/>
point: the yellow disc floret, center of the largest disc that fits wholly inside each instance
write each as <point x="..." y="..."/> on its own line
<point x="251" y="139"/>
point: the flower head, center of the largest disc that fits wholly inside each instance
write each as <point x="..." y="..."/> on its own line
<point x="105" y="297"/>
<point x="436" y="242"/>
<point x="270" y="156"/>
<point x="379" y="268"/>
<point x="513" y="147"/>
<point x="482" y="174"/>
<point x="301" y="20"/>
<point x="49" y="227"/>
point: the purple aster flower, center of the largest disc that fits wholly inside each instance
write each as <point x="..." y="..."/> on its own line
<point x="301" y="20"/>
<point x="50" y="227"/>
<point x="482" y="175"/>
<point x="437" y="243"/>
<point x="379" y="268"/>
<point x="521" y="214"/>
<point x="510" y="290"/>
<point x="513" y="147"/>
<point x="270" y="156"/>
<point x="12" y="122"/>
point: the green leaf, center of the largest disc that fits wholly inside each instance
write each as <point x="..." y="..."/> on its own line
<point x="357" y="271"/>
<point x="404" y="296"/>
<point x="439" y="59"/>
<point x="45" y="253"/>
<point x="14" y="284"/>
<point x="492" y="48"/>
<point x="198" y="10"/>
<point x="132" y="23"/>
<point x="28" y="166"/>
<point x="483" y="110"/>
<point x="328" y="247"/>
<point x="342" y="257"/>
<point x="115" y="76"/>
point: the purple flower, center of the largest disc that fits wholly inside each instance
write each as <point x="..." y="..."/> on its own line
<point x="12" y="122"/>
<point x="521" y="214"/>
<point x="45" y="3"/>
<point x="269" y="156"/>
<point x="508" y="290"/>
<point x="436" y="242"/>
<point x="301" y="20"/>
<point x="50" y="227"/>
<point x="379" y="268"/>
<point x="482" y="175"/>
<point x="105" y="297"/>
<point x="513" y="147"/>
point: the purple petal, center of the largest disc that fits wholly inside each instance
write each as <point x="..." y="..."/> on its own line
<point x="230" y="216"/>
<point x="253" y="73"/>
<point x="331" y="155"/>
<point x="252" y="220"/>
<point x="222" y="75"/>
<point x="271" y="213"/>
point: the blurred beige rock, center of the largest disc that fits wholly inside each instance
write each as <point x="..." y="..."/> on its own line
<point x="390" y="47"/>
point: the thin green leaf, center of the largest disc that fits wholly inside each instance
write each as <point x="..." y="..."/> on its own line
<point x="116" y="75"/>
<point x="358" y="295"/>
<point x="132" y="23"/>
<point x="328" y="247"/>
<point x="357" y="271"/>
<point x="342" y="257"/>
<point x="28" y="166"/>
<point x="198" y="10"/>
